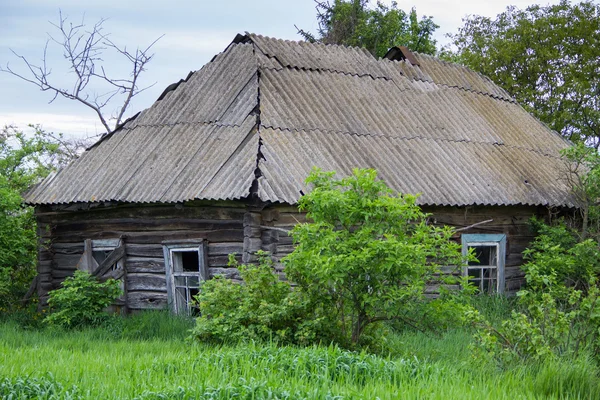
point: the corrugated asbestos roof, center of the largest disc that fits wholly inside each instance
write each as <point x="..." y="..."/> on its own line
<point x="270" y="110"/>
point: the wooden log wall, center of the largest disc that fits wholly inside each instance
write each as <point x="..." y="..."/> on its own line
<point x="509" y="220"/>
<point x="252" y="235"/>
<point x="228" y="227"/>
<point x="513" y="221"/>
<point x="143" y="228"/>
<point x="277" y="221"/>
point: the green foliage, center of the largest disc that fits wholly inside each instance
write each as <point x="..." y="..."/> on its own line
<point x="263" y="308"/>
<point x="81" y="301"/>
<point x="45" y="388"/>
<point x="544" y="56"/>
<point x="354" y="23"/>
<point x="583" y="176"/>
<point x="557" y="258"/>
<point x="424" y="366"/>
<point x="24" y="159"/>
<point x="368" y="255"/>
<point x="559" y="310"/>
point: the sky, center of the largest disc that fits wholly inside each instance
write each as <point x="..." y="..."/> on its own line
<point x="191" y="31"/>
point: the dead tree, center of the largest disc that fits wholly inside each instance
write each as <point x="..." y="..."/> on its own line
<point x="83" y="50"/>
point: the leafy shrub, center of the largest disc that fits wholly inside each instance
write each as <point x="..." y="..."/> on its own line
<point x="262" y="308"/>
<point x="368" y="254"/>
<point x="560" y="308"/>
<point x="558" y="254"/>
<point x="366" y="258"/>
<point x="81" y="301"/>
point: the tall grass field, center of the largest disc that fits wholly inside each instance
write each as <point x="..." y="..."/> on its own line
<point x="148" y="356"/>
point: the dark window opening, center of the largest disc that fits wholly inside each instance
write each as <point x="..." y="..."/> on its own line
<point x="185" y="261"/>
<point x="100" y="255"/>
<point x="189" y="261"/>
<point x="486" y="255"/>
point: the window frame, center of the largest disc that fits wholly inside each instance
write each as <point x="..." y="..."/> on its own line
<point x="171" y="247"/>
<point x="117" y="270"/>
<point x="107" y="245"/>
<point x="487" y="239"/>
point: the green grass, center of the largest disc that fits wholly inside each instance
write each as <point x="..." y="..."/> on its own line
<point x="147" y="356"/>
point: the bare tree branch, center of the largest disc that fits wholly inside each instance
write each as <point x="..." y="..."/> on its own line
<point x="83" y="49"/>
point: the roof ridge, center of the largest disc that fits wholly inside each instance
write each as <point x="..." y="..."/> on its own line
<point x="452" y="63"/>
<point x="545" y="154"/>
<point x="306" y="42"/>
<point x="494" y="96"/>
<point x="495" y="91"/>
<point x="334" y="71"/>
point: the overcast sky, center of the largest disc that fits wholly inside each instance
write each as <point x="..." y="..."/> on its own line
<point x="194" y="31"/>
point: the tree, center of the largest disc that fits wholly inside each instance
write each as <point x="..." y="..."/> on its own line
<point x="353" y="23"/>
<point x="93" y="86"/>
<point x="368" y="253"/>
<point x="547" y="57"/>
<point x="583" y="176"/>
<point x="23" y="161"/>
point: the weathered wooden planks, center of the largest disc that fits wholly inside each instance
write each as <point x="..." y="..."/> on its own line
<point x="252" y="235"/>
<point x="510" y="220"/>
<point x="147" y="300"/>
<point x="143" y="229"/>
<point x="145" y="265"/>
<point x="146" y="282"/>
<point x="216" y="211"/>
<point x="227" y="228"/>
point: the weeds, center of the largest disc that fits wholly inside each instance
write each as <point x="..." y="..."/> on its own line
<point x="44" y="388"/>
<point x="145" y="357"/>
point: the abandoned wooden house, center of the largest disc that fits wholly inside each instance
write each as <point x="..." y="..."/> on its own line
<point x="221" y="158"/>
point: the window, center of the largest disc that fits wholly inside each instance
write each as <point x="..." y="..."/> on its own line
<point x="105" y="258"/>
<point x="101" y="249"/>
<point x="95" y="253"/>
<point x="186" y="268"/>
<point x="487" y="271"/>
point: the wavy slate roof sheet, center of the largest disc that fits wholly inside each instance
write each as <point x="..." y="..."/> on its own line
<point x="269" y="110"/>
<point x="431" y="69"/>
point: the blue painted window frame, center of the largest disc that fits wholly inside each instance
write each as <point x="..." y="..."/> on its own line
<point x="485" y="239"/>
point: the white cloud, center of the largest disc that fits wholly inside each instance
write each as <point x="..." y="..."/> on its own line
<point x="68" y="124"/>
<point x="194" y="32"/>
<point x="448" y="14"/>
<point x="198" y="41"/>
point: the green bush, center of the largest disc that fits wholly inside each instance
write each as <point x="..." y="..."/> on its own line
<point x="81" y="301"/>
<point x="365" y="259"/>
<point x="559" y="311"/>
<point x="262" y="308"/>
<point x="368" y="254"/>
